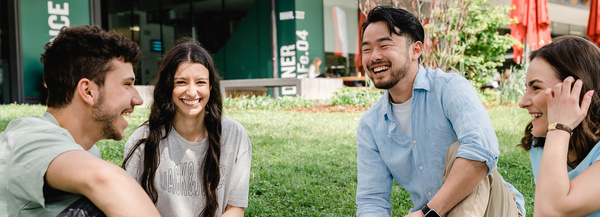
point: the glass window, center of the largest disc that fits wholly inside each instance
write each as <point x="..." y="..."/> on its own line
<point x="4" y="55"/>
<point x="586" y="2"/>
<point x="157" y="24"/>
<point x="341" y="36"/>
<point x="216" y="20"/>
<point x="577" y="30"/>
<point x="559" y="28"/>
<point x="210" y="22"/>
<point x="124" y="17"/>
<point x="575" y="2"/>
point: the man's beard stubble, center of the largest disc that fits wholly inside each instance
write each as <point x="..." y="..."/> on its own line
<point x="101" y="114"/>
<point x="395" y="77"/>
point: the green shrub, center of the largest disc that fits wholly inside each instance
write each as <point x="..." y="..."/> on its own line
<point x="459" y="34"/>
<point x="489" y="96"/>
<point x="512" y="88"/>
<point x="266" y="102"/>
<point x="357" y="97"/>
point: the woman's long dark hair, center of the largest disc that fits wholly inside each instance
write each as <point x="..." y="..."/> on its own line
<point x="577" y="57"/>
<point x="161" y="116"/>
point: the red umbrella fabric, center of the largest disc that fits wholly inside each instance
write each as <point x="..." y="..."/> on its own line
<point x="358" y="56"/>
<point x="533" y="25"/>
<point x="593" y="28"/>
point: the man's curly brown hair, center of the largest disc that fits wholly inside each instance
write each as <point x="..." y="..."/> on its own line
<point x="82" y="52"/>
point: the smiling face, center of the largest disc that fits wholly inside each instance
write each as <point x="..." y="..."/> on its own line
<point x="540" y="76"/>
<point x="122" y="97"/>
<point x="191" y="90"/>
<point x="387" y="57"/>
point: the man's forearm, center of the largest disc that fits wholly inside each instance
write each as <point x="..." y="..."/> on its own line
<point x="108" y="186"/>
<point x="464" y="176"/>
<point x="122" y="196"/>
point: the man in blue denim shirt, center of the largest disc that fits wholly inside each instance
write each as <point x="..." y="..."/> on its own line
<point x="407" y="135"/>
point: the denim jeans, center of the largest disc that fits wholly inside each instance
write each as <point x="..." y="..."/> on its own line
<point x="82" y="208"/>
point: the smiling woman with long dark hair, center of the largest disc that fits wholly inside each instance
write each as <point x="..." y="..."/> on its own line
<point x="563" y="81"/>
<point x="187" y="157"/>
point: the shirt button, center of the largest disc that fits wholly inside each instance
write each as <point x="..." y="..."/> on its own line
<point x="429" y="193"/>
<point x="421" y="168"/>
<point x="414" y="141"/>
<point x="389" y="136"/>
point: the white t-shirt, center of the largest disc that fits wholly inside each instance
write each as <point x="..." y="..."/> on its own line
<point x="312" y="71"/>
<point x="177" y="178"/>
<point x="402" y="116"/>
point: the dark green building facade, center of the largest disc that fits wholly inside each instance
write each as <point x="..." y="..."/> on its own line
<point x="248" y="38"/>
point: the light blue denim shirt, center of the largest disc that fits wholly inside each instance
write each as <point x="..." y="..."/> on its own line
<point x="590" y="158"/>
<point x="445" y="109"/>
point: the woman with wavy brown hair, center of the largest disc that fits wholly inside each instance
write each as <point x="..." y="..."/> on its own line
<point x="188" y="158"/>
<point x="563" y="81"/>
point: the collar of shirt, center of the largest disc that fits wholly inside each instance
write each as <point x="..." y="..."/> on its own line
<point x="421" y="82"/>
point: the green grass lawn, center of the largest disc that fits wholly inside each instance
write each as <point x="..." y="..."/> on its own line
<point x="304" y="164"/>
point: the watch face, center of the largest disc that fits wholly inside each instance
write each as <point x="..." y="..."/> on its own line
<point x="552" y="126"/>
<point x="432" y="213"/>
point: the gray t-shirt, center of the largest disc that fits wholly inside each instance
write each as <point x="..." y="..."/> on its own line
<point x="27" y="147"/>
<point x="177" y="178"/>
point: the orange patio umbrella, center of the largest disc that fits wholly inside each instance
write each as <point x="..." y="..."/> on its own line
<point x="593" y="28"/>
<point x="533" y="25"/>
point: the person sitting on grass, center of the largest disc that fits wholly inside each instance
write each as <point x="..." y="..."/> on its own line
<point x="188" y="158"/>
<point x="562" y="83"/>
<point x="49" y="165"/>
<point x="429" y="132"/>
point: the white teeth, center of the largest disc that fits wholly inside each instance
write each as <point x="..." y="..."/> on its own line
<point x="536" y="115"/>
<point x="192" y="102"/>
<point x="380" y="69"/>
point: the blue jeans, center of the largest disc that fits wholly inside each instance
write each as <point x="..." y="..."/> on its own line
<point x="82" y="207"/>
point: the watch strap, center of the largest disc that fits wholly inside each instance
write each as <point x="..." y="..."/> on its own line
<point x="429" y="212"/>
<point x="559" y="126"/>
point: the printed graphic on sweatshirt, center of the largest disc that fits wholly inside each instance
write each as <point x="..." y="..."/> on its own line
<point x="183" y="180"/>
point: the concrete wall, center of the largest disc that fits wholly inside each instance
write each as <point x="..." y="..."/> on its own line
<point x="146" y="92"/>
<point x="320" y="88"/>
